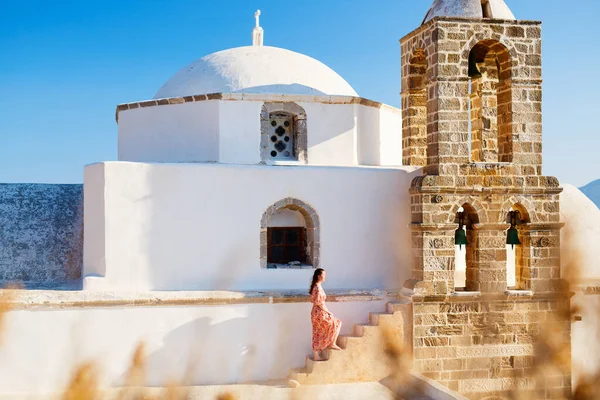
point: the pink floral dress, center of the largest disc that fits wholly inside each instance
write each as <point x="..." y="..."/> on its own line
<point x="324" y="324"/>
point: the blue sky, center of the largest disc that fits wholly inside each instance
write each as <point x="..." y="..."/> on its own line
<point x="65" y="65"/>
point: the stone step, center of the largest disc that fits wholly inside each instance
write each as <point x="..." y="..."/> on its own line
<point x="365" y="330"/>
<point x="345" y="342"/>
<point x="298" y="372"/>
<point x="357" y="364"/>
<point x="299" y="375"/>
<point x="374" y="317"/>
<point x="361" y="358"/>
<point x="378" y="318"/>
<point x="309" y="365"/>
<point x="394" y="306"/>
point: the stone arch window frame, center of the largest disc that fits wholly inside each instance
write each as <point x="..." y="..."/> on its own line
<point x="507" y="62"/>
<point x="417" y="86"/>
<point x="313" y="230"/>
<point x="300" y="131"/>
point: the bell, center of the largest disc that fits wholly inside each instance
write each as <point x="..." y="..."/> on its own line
<point x="474" y="72"/>
<point x="512" y="236"/>
<point x="460" y="237"/>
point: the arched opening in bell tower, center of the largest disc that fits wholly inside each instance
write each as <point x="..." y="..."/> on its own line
<point x="465" y="245"/>
<point x="490" y="103"/>
<point x="517" y="258"/>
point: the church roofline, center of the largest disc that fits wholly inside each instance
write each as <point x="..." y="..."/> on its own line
<point x="256" y="97"/>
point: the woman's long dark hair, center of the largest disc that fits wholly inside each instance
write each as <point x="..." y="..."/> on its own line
<point x="315" y="279"/>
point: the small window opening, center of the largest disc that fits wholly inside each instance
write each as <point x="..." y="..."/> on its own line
<point x="466" y="276"/>
<point x="281" y="137"/>
<point x="286" y="245"/>
<point x="460" y="257"/>
<point x="514" y="253"/>
<point x="287" y="239"/>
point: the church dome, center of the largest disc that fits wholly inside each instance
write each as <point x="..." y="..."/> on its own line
<point x="256" y="69"/>
<point x="496" y="9"/>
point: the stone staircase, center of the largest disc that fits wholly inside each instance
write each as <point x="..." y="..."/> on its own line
<point x="363" y="358"/>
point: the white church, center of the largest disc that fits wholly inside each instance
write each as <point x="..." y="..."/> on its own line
<point x="248" y="169"/>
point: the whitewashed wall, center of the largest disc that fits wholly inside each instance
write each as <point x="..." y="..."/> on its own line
<point x="229" y="132"/>
<point x="585" y="335"/>
<point x="187" y="132"/>
<point x="379" y="136"/>
<point x="239" y="132"/>
<point x="196" y="226"/>
<point x="226" y="344"/>
<point x="580" y="252"/>
<point x="580" y="255"/>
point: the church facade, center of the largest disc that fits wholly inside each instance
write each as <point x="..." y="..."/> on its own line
<point x="253" y="166"/>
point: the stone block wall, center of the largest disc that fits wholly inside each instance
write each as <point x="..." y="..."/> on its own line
<point x="41" y="235"/>
<point x="483" y="346"/>
<point x="446" y="44"/>
<point x="435" y="201"/>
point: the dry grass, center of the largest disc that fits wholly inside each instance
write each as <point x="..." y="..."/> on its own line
<point x="5" y="307"/>
<point x="83" y="384"/>
<point x="6" y="300"/>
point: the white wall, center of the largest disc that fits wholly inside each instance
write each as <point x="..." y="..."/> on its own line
<point x="390" y="146"/>
<point x="379" y="136"/>
<point x="239" y="132"/>
<point x="196" y="226"/>
<point x="229" y="132"/>
<point x="226" y="344"/>
<point x="331" y="133"/>
<point x="580" y="252"/>
<point x="580" y="237"/>
<point x="94" y="246"/>
<point x="187" y="132"/>
<point x="585" y="336"/>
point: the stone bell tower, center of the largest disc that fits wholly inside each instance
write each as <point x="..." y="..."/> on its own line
<point x="472" y="118"/>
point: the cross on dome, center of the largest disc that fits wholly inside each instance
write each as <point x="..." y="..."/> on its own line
<point x="257" y="17"/>
<point x="257" y="32"/>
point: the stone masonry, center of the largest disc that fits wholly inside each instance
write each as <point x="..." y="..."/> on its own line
<point x="41" y="235"/>
<point x="479" y="141"/>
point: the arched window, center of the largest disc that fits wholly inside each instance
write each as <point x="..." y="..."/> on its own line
<point x="490" y="103"/>
<point x="286" y="238"/>
<point x="281" y="136"/>
<point x="289" y="235"/>
<point x="283" y="133"/>
<point x="465" y="272"/>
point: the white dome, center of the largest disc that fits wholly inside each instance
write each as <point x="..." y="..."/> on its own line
<point x="256" y="69"/>
<point x="496" y="9"/>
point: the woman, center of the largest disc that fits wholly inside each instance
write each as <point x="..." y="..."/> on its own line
<point x="325" y="327"/>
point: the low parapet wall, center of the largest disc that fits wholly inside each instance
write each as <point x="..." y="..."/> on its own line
<point x="196" y="338"/>
<point x="41" y="235"/>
